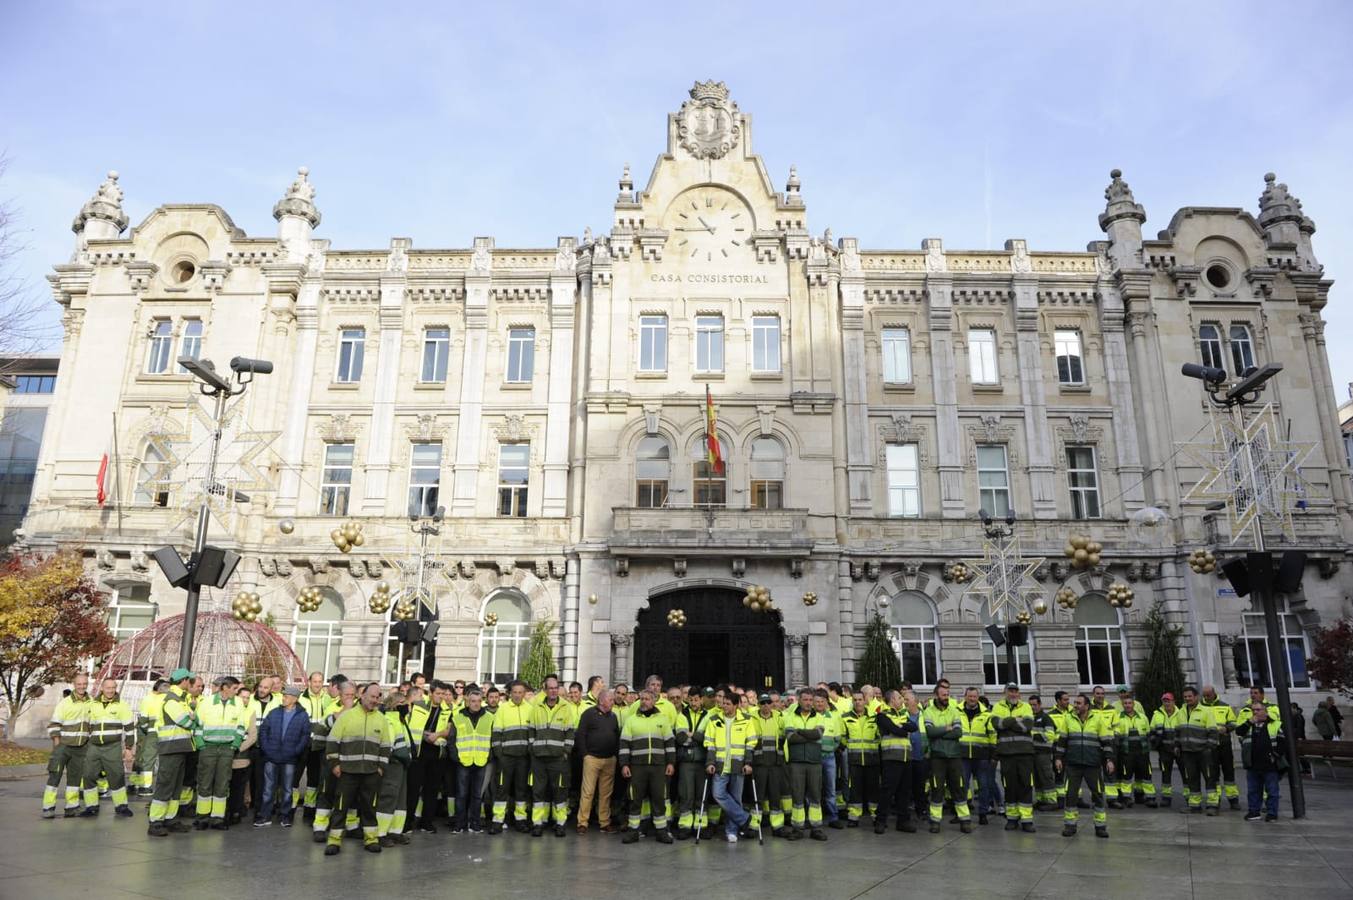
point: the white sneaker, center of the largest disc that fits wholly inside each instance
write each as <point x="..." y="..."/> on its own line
<point x="732" y="838"/>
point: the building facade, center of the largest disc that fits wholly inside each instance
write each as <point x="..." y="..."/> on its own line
<point x="869" y="404"/>
<point x="27" y="386"/>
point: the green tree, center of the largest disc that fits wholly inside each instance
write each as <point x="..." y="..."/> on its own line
<point x="539" y="656"/>
<point x="879" y="666"/>
<point x="1162" y="670"/>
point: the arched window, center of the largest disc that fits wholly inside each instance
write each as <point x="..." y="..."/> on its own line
<point x="768" y="474"/>
<point x="502" y="646"/>
<point x="708" y="486"/>
<point x="996" y="672"/>
<point x="129" y="610"/>
<point x="1251" y="650"/>
<point x="152" y="478"/>
<point x="1101" y="656"/>
<point x="318" y="635"/>
<point x="915" y="639"/>
<point x="404" y="642"/>
<point x="652" y="470"/>
<point x="1209" y="341"/>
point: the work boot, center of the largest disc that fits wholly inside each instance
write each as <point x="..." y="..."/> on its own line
<point x="1115" y="804"/>
<point x="965" y="827"/>
<point x="1068" y="831"/>
<point x="73" y="813"/>
<point x="124" y="812"/>
<point x="1102" y="831"/>
<point x="219" y="825"/>
<point x="157" y="829"/>
<point x="49" y="814"/>
<point x="1011" y="824"/>
<point x="908" y="827"/>
<point x="179" y="827"/>
<point x="1027" y="827"/>
<point x="559" y="831"/>
<point x="880" y="827"/>
<point x="373" y="847"/>
<point x="631" y="837"/>
<point x="387" y="841"/>
<point x="1152" y="804"/>
<point x="682" y="834"/>
<point x="837" y="824"/>
<point x="795" y="834"/>
<point x="1213" y="811"/>
<point x="664" y="836"/>
<point x="317" y="837"/>
<point x="982" y="818"/>
<point x="1235" y="802"/>
<point x="89" y="812"/>
<point x="200" y="824"/>
<point x="401" y="838"/>
<point x="852" y="823"/>
<point x="496" y="828"/>
<point x="817" y="834"/>
<point x="934" y="827"/>
<point x="537" y="830"/>
<point x="332" y="850"/>
<point x="1270" y="817"/>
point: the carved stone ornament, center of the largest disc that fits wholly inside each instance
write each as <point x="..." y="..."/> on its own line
<point x="622" y="566"/>
<point x="566" y="257"/>
<point x="514" y="428"/>
<point x="934" y="255"/>
<point x="621" y="640"/>
<point x="679" y="567"/>
<point x="481" y="262"/>
<point x="422" y="428"/>
<point x="708" y="124"/>
<point x="850" y="257"/>
<point x="991" y="431"/>
<point x="104" y="558"/>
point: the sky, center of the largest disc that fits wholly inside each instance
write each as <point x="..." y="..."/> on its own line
<point x="973" y="122"/>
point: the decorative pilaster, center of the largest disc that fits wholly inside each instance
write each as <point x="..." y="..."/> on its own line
<point x="939" y="288"/>
<point x="381" y="445"/>
<point x="620" y="656"/>
<point x="301" y="372"/>
<point x="563" y="289"/>
<point x="859" y="466"/>
<point x="1037" y="434"/>
<point x="798" y="659"/>
<point x="466" y="473"/>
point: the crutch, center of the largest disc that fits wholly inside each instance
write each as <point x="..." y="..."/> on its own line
<point x="700" y="817"/>
<point x="760" y="839"/>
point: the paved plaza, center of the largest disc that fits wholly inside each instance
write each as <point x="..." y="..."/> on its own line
<point x="1155" y="854"/>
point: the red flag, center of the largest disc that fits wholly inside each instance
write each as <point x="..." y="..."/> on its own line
<point x="712" y="453"/>
<point x="103" y="480"/>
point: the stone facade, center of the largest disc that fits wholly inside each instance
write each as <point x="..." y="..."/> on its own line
<point x="709" y="278"/>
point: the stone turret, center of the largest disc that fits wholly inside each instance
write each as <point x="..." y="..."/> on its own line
<point x="1283" y="221"/>
<point x="297" y="217"/>
<point x="101" y="218"/>
<point x="1122" y="221"/>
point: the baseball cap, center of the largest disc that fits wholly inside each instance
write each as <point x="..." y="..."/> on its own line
<point x="291" y="690"/>
<point x="179" y="674"/>
<point x="1124" y="689"/>
<point x="763" y="698"/>
<point x="1012" y="686"/>
<point x="1167" y="696"/>
<point x="709" y="692"/>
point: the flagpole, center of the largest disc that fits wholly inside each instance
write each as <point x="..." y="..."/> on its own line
<point x="117" y="478"/>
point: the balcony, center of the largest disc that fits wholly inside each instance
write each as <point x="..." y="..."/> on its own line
<point x="715" y="531"/>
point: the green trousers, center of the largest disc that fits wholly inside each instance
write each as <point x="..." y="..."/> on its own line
<point x="213" y="779"/>
<point x="105" y="759"/>
<point x="392" y="799"/>
<point x="805" y="792"/>
<point x="69" y="761"/>
<point x="550" y="781"/>
<point x="648" y="782"/>
<point x="164" y="803"/>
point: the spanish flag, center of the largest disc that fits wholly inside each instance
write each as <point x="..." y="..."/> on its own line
<point x="714" y="457"/>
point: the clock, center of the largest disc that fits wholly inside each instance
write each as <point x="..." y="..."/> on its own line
<point x="708" y="224"/>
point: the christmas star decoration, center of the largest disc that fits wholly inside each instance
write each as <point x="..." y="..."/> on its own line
<point x="1004" y="577"/>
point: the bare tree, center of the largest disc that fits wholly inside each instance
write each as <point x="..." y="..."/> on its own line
<point x="25" y="327"/>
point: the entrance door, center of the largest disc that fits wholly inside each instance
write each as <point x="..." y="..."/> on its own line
<point x="722" y="641"/>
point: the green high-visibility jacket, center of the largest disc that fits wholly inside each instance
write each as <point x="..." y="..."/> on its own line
<point x="862" y="739"/>
<point x="803" y="736"/>
<point x="552" y="729"/>
<point x="1133" y="732"/>
<point x="111" y="722"/>
<point x="1084" y="742"/>
<point x="729" y="746"/>
<point x="359" y="741"/>
<point x="895" y="729"/>
<point x="944" y="729"/>
<point x="1014" y="727"/>
<point x="769" y="739"/>
<point x="174" y="733"/>
<point x="646" y="740"/>
<point x="512" y="729"/>
<point x="1196" y="730"/>
<point x="689" y="734"/>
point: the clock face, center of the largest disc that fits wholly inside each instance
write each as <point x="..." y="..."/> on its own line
<point x="707" y="225"/>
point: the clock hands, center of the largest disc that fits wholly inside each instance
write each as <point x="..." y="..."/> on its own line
<point x="706" y="224"/>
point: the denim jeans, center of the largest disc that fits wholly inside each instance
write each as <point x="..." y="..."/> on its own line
<point x="981" y="773"/>
<point x="728" y="794"/>
<point x="829" y="787"/>
<point x="275" y="775"/>
<point x="1263" y="787"/>
<point x="469" y="789"/>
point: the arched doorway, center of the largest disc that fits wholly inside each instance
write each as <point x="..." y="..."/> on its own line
<point x="722" y="641"/>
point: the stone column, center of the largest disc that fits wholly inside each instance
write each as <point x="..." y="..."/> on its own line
<point x="466" y="469"/>
<point x="845" y="602"/>
<point x="302" y="374"/>
<point x="1227" y="644"/>
<point x="798" y="659"/>
<point x="859" y="460"/>
<point x="1313" y="333"/>
<point x="944" y="377"/>
<point x="380" y="447"/>
<point x="1037" y="435"/>
<point x="563" y="289"/>
<point x="620" y="656"/>
<point x="1121" y="395"/>
<point x="569" y="651"/>
<point x="1138" y="324"/>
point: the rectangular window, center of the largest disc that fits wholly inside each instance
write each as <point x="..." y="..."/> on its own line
<point x="765" y="343"/>
<point x="652" y="343"/>
<point x="336" y="484"/>
<point x="425" y="474"/>
<point x="514" y="461"/>
<point x="904" y="480"/>
<point x="191" y="344"/>
<point x="351" y="348"/>
<point x="130" y="611"/>
<point x="1067" y="345"/>
<point x="982" y="356"/>
<point x="896" y="356"/>
<point x="768" y="495"/>
<point x="161" y="347"/>
<point x="521" y="355"/>
<point x="436" y="347"/>
<point x="993" y="481"/>
<point x="996" y="668"/>
<point x="650" y="493"/>
<point x="709" y="343"/>
<point x="1083" y="480"/>
<point x="1209" y="342"/>
<point x="1242" y="349"/>
<point x="34" y="384"/>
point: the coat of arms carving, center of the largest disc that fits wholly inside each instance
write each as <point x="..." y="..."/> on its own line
<point x="707" y="124"/>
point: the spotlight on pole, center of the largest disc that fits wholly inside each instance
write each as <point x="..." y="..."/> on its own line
<point x="205" y="372"/>
<point x="1253" y="381"/>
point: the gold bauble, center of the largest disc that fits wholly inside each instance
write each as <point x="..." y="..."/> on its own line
<point x="1040" y="606"/>
<point x="1069" y="550"/>
<point x="747" y="600"/>
<point x="336" y="535"/>
<point x="1092" y="559"/>
<point x="491" y="619"/>
<point x="1080" y="556"/>
<point x="286" y="526"/>
<point x="358" y="540"/>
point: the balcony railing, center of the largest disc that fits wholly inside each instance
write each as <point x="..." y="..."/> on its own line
<point x="774" y="532"/>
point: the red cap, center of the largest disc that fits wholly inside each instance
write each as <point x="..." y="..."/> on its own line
<point x="1167" y="696"/>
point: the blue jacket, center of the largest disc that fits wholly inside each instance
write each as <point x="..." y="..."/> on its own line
<point x="284" y="748"/>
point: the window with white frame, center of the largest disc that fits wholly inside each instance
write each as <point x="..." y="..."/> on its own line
<point x="652" y="343"/>
<point x="436" y="349"/>
<point x="130" y="610"/>
<point x="765" y="343"/>
<point x="503" y="645"/>
<point x="913" y="632"/>
<point x="897" y="355"/>
<point x="708" y="486"/>
<point x="514" y="470"/>
<point x="152" y="478"/>
<point x="1067" y="346"/>
<point x="1101" y="654"/>
<point x="318" y="636"/>
<point x="767" y="474"/>
<point x="1209" y="345"/>
<point x="1083" y="481"/>
<point x="1242" y="349"/>
<point x="1251" y="649"/>
<point x="161" y="347"/>
<point x="904" y="480"/>
<point x="995" y="667"/>
<point x="191" y="343"/>
<point x="521" y="355"/>
<point x="652" y="472"/>
<point x="709" y="343"/>
<point x="351" y="349"/>
<point x="993" y="480"/>
<point x="982" y="356"/>
<point x="425" y="476"/>
<point x="403" y="644"/>
<point x="335" y="488"/>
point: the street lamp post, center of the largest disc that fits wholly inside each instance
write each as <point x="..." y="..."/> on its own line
<point x="999" y="533"/>
<point x="1252" y="482"/>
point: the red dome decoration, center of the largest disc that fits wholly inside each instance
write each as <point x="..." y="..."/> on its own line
<point x="223" y="645"/>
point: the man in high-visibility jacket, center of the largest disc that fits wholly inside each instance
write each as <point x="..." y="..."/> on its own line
<point x="112" y="734"/>
<point x="895" y="727"/>
<point x="472" y="726"/>
<point x="174" y="742"/>
<point x="1100" y="706"/>
<point x="730" y="742"/>
<point x="977" y="746"/>
<point x="862" y="748"/>
<point x="1013" y="721"/>
<point x="317" y="703"/>
<point x="1085" y="751"/>
<point x="804" y="727"/>
<point x="69" y="731"/>
<point x="1263" y="753"/>
<point x="833" y="740"/>
<point x="1197" y="738"/>
<point x="147" y="716"/>
<point x="329" y="802"/>
<point x="1225" y="717"/>
<point x="943" y="720"/>
<point x="1061" y="708"/>
<point x="1164" y="722"/>
<point x="770" y="777"/>
<point x="1045" y="739"/>
<point x="553" y="722"/>
<point x="359" y="751"/>
<point x="392" y="797"/>
<point x="221" y="725"/>
<point x="510" y="748"/>
<point x="1132" y="731"/>
<point x="689" y="736"/>
<point x="647" y="759"/>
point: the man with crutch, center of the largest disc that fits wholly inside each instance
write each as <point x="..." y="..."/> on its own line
<point x="730" y="741"/>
